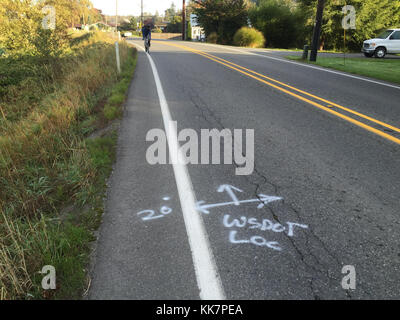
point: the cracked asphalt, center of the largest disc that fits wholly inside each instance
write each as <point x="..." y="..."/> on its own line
<point x="339" y="180"/>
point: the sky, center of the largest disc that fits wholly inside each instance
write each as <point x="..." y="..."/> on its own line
<point x="132" y="7"/>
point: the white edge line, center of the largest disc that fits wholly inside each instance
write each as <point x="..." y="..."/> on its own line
<point x="305" y="65"/>
<point x="208" y="279"/>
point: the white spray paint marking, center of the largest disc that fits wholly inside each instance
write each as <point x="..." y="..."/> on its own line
<point x="251" y="223"/>
<point x="151" y="214"/>
<point x="262" y="200"/>
<point x="208" y="279"/>
<point x="309" y="66"/>
<point x="229" y="189"/>
<point x="263" y="225"/>
<point x="201" y="207"/>
<point x="256" y="240"/>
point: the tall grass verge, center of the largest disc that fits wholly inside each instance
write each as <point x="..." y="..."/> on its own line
<point x="52" y="177"/>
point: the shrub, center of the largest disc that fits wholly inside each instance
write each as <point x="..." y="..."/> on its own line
<point x="212" y="37"/>
<point x="249" y="37"/>
<point x="22" y="32"/>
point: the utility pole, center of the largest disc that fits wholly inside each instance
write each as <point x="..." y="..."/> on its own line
<point x="141" y="15"/>
<point x="317" y="30"/>
<point x="184" y="20"/>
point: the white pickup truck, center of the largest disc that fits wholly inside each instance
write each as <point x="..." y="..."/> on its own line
<point x="386" y="42"/>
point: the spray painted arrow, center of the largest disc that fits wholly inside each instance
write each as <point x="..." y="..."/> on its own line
<point x="263" y="199"/>
<point x="230" y="191"/>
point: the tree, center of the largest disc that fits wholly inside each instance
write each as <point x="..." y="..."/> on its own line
<point x="371" y="18"/>
<point x="223" y="17"/>
<point x="22" y="26"/>
<point x="157" y="18"/>
<point x="133" y="22"/>
<point x="174" y="19"/>
<point x="84" y="11"/>
<point x="189" y="31"/>
<point x="170" y="12"/>
<point x="281" y="23"/>
<point x="174" y="25"/>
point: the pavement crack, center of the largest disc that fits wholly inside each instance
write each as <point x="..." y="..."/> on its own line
<point x="259" y="180"/>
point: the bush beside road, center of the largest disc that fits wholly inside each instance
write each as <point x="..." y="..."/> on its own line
<point x="249" y="37"/>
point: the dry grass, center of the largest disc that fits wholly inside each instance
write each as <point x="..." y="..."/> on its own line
<point x="45" y="163"/>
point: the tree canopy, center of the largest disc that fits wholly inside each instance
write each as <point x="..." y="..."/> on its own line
<point x="22" y="26"/>
<point x="223" y="17"/>
<point x="371" y="18"/>
<point x="289" y="23"/>
<point x="281" y="22"/>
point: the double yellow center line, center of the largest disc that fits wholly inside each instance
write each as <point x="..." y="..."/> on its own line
<point x="282" y="87"/>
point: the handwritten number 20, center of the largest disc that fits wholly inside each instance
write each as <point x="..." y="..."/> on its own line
<point x="150" y="214"/>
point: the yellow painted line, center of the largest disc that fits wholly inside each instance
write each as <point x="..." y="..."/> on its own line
<point x="301" y="91"/>
<point x="342" y="116"/>
<point x="315" y="97"/>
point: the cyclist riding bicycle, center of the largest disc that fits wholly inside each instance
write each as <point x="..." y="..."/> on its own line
<point x="146" y="33"/>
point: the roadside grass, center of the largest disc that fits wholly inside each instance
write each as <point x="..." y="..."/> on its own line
<point x="52" y="171"/>
<point x="382" y="69"/>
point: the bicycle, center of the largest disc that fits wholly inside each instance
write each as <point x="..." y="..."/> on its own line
<point x="147" y="44"/>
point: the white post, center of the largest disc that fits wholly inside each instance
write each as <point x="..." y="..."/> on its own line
<point x="117" y="56"/>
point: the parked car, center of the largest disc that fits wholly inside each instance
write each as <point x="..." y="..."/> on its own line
<point x="127" y="34"/>
<point x="387" y="42"/>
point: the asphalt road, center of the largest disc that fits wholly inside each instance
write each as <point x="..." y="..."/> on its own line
<point x="337" y="172"/>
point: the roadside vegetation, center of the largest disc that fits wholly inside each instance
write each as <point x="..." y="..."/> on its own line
<point x="53" y="161"/>
<point x="283" y="23"/>
<point x="248" y="37"/>
<point x="51" y="175"/>
<point x="289" y="23"/>
<point x="383" y="69"/>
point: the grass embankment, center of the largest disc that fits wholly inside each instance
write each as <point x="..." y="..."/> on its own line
<point x="382" y="69"/>
<point x="52" y="174"/>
